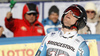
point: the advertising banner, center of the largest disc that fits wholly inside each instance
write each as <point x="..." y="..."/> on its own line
<point x="98" y="44"/>
<point x="92" y="44"/>
<point x="28" y="49"/>
<point x="28" y="46"/>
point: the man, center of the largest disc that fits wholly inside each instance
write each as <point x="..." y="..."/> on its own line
<point x="29" y="25"/>
<point x="67" y="42"/>
<point x="98" y="24"/>
<point x="1" y="32"/>
<point x="52" y="23"/>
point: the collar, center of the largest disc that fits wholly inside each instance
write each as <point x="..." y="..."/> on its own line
<point x="67" y="35"/>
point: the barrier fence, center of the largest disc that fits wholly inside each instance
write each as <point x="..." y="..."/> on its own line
<point x="27" y="46"/>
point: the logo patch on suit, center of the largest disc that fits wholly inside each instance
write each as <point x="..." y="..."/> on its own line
<point x="39" y="30"/>
<point x="81" y="51"/>
<point x="61" y="45"/>
<point x="23" y="28"/>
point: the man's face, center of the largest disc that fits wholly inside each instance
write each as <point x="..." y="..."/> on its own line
<point x="30" y="17"/>
<point x="54" y="17"/>
<point x="69" y="19"/>
<point x="90" y="14"/>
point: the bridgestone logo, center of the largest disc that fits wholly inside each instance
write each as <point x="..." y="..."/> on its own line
<point x="61" y="45"/>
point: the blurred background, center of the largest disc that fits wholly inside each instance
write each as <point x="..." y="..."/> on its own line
<point x="46" y="0"/>
<point x="9" y="46"/>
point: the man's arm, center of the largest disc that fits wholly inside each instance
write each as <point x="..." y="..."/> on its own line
<point x="42" y="49"/>
<point x="41" y="52"/>
<point x="9" y="22"/>
<point x="83" y="50"/>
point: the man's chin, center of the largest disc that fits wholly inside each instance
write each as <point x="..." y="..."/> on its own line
<point x="55" y="21"/>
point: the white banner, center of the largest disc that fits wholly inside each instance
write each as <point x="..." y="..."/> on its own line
<point x="63" y="5"/>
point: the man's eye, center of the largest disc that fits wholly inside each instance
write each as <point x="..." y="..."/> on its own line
<point x="68" y="17"/>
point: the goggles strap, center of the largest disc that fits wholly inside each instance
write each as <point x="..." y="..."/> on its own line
<point x="71" y="27"/>
<point x="66" y="27"/>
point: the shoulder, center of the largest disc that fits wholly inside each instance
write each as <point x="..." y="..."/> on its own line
<point x="83" y="49"/>
<point x="39" y="24"/>
<point x="45" y="20"/>
<point x="49" y="36"/>
<point x="83" y="44"/>
<point x="80" y="38"/>
<point x="18" y="20"/>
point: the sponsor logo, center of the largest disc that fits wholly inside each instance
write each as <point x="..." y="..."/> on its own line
<point x="23" y="28"/>
<point x="39" y="31"/>
<point x="52" y="34"/>
<point x="61" y="45"/>
<point x="81" y="52"/>
<point x="41" y="48"/>
<point x="77" y="40"/>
